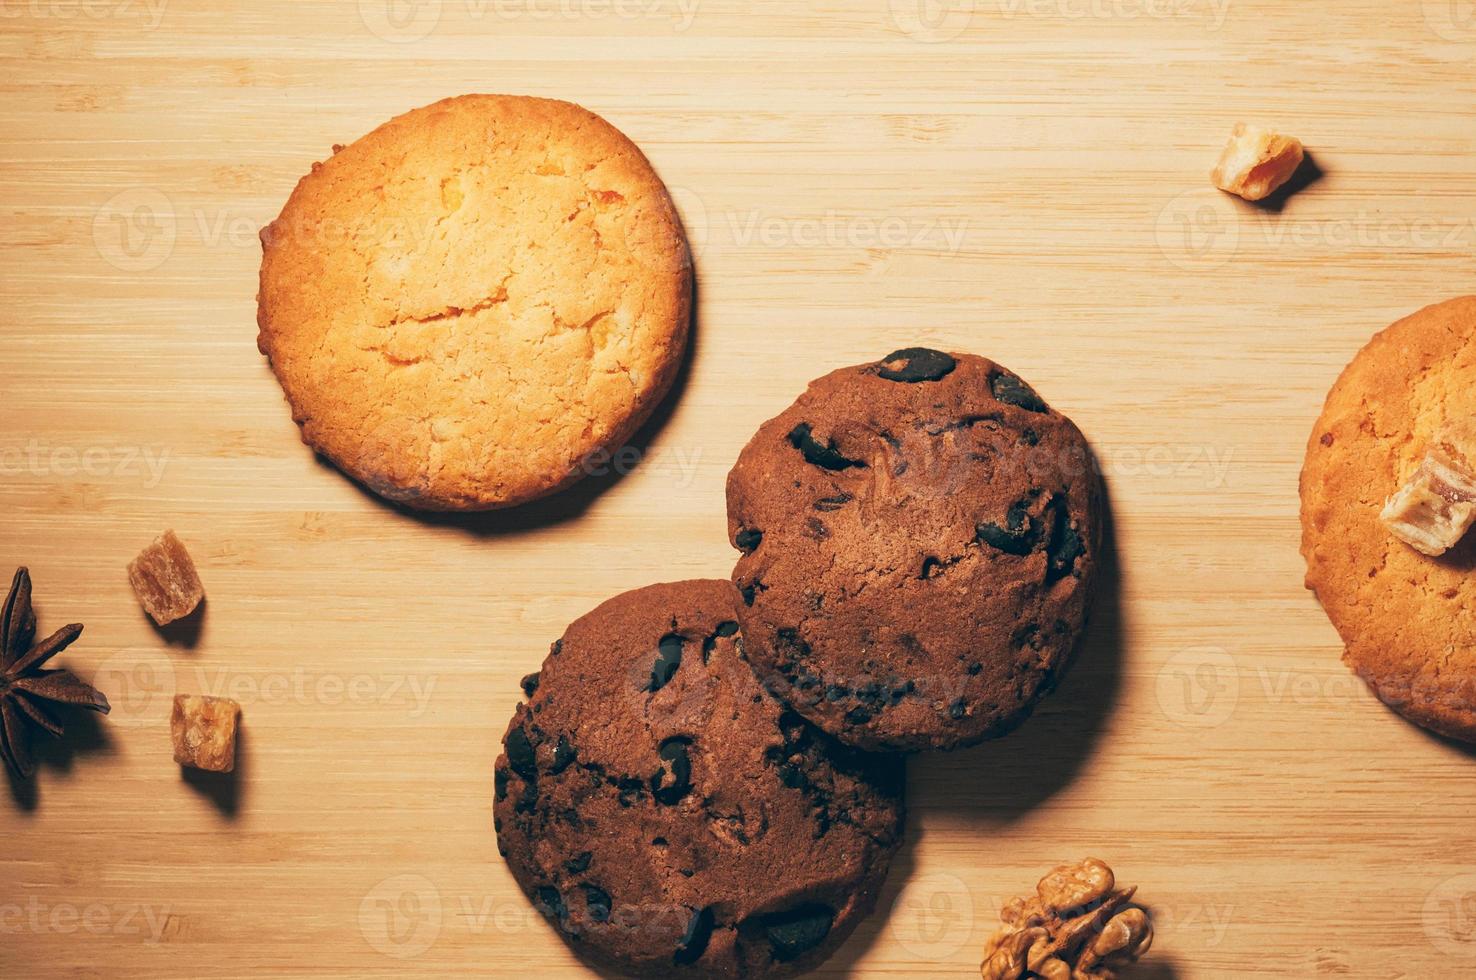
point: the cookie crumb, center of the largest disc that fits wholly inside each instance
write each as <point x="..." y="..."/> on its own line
<point x="204" y="732"/>
<point x="163" y="577"/>
<point x="1256" y="162"/>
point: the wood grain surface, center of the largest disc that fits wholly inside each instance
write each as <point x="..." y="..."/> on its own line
<point x="1022" y="178"/>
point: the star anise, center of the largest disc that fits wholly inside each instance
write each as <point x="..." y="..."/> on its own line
<point x="25" y="688"/>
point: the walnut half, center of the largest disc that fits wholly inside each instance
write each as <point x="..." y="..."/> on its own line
<point x="1435" y="509"/>
<point x="1077" y="926"/>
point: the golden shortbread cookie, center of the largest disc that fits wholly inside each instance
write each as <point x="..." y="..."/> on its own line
<point x="470" y="305"/>
<point x="1408" y="620"/>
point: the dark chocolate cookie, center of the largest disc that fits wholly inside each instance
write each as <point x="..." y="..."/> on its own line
<point x="919" y="538"/>
<point x="671" y="818"/>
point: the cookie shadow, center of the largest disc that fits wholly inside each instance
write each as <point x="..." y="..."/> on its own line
<point x="1309" y="173"/>
<point x="844" y="960"/>
<point x="84" y="734"/>
<point x="571" y="502"/>
<point x="185" y="632"/>
<point x="1003" y="780"/>
<point x="223" y="790"/>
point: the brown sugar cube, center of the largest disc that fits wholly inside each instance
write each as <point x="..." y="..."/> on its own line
<point x="1434" y="510"/>
<point x="1256" y="162"/>
<point x="204" y="732"/>
<point x="165" y="580"/>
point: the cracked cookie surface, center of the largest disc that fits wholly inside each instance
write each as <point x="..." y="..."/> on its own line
<point x="919" y="541"/>
<point x="669" y="817"/>
<point x="470" y="304"/>
<point x="1408" y="621"/>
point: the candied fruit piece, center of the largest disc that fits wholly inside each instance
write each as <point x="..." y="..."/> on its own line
<point x="1256" y="162"/>
<point x="165" y="580"/>
<point x="204" y="732"/>
<point x="1435" y="509"/>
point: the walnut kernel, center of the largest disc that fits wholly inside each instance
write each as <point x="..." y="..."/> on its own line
<point x="1077" y="926"/>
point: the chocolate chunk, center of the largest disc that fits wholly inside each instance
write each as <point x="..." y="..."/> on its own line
<point x="668" y="659"/>
<point x="796" y="931"/>
<point x="826" y="456"/>
<point x="1020" y="533"/>
<point x="556" y="647"/>
<point x="548" y="901"/>
<point x="914" y="364"/>
<point x="748" y="539"/>
<point x="1012" y="391"/>
<point x="520" y="754"/>
<point x="500" y="778"/>
<point x="597" y="901"/>
<point x="694" y="940"/>
<point x="930" y="567"/>
<point x="958" y="710"/>
<point x="830" y="504"/>
<point x="529" y="684"/>
<point x="674" y="780"/>
<point x="579" y="864"/>
<point x="563" y="756"/>
<point x="1065" y="545"/>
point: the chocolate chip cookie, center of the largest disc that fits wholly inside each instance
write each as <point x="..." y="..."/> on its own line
<point x="473" y="304"/>
<point x="1405" y="618"/>
<point x="919" y="541"/>
<point x="669" y="817"/>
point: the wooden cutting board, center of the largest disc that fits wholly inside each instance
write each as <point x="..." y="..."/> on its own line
<point x="1021" y="178"/>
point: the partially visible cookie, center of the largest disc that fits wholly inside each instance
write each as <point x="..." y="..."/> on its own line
<point x="669" y="817"/>
<point x="469" y="305"/>
<point x="920" y="540"/>
<point x="1408" y="620"/>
